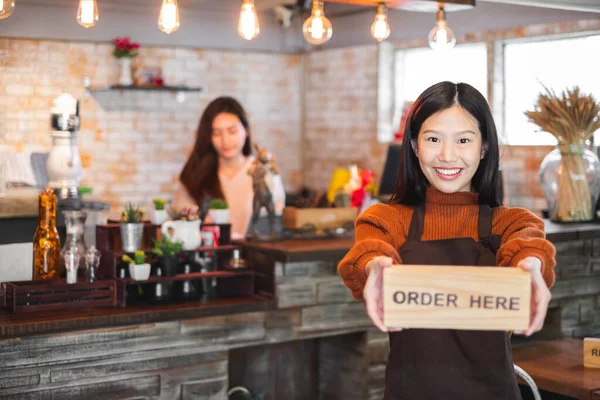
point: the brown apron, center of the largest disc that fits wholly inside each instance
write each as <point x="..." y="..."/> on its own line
<point x="428" y="364"/>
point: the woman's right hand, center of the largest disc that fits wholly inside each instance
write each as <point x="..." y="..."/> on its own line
<point x="373" y="292"/>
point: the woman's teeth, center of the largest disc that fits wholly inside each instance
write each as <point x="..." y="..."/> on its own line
<point x="447" y="171"/>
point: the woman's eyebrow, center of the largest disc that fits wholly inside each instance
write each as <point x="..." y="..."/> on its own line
<point x="454" y="133"/>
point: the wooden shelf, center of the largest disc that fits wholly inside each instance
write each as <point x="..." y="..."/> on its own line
<point x="146" y="88"/>
<point x="188" y="277"/>
<point x="225" y="247"/>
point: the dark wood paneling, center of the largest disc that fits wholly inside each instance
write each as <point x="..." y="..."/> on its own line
<point x="280" y="371"/>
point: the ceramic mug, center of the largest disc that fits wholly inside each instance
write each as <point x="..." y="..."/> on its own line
<point x="187" y="232"/>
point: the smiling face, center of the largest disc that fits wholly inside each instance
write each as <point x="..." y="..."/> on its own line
<point x="449" y="148"/>
<point x="228" y="135"/>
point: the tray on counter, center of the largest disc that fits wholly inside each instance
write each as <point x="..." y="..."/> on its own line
<point x="31" y="296"/>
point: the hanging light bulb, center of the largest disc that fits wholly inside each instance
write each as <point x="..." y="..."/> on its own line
<point x="87" y="13"/>
<point x="317" y="29"/>
<point x="168" y="19"/>
<point x="6" y="8"/>
<point x="248" y="24"/>
<point x="380" y="28"/>
<point x="441" y="37"/>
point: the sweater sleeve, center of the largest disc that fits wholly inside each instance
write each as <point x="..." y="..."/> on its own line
<point x="376" y="235"/>
<point x="523" y="236"/>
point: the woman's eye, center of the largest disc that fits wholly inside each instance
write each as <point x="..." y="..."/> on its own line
<point x="432" y="139"/>
<point x="463" y="141"/>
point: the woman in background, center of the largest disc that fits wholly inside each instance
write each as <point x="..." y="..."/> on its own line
<point x="217" y="167"/>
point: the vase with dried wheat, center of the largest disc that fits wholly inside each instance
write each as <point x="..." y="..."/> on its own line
<point x="570" y="174"/>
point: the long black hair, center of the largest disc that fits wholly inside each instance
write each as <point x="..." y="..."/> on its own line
<point x="412" y="184"/>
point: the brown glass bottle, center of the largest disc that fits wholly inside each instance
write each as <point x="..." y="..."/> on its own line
<point x="46" y="243"/>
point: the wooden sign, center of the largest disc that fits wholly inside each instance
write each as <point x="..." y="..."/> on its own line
<point x="450" y="297"/>
<point x="591" y="352"/>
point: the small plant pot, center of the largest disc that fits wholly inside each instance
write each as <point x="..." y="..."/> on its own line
<point x="157" y="217"/>
<point x="131" y="236"/>
<point x="139" y="272"/>
<point x="168" y="265"/>
<point x="219" y="216"/>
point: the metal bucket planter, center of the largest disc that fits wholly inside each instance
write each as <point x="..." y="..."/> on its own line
<point x="131" y="236"/>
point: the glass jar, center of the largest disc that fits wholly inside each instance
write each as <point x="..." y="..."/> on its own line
<point x="570" y="179"/>
<point x="75" y="226"/>
<point x="46" y="242"/>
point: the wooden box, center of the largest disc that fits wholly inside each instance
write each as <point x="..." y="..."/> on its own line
<point x="452" y="297"/>
<point x="318" y="218"/>
<point x="30" y="296"/>
<point x="591" y="352"/>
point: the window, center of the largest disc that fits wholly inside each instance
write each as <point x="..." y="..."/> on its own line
<point x="417" y="69"/>
<point x="557" y="64"/>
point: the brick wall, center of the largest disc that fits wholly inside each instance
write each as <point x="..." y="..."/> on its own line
<point x="340" y="98"/>
<point x="317" y="112"/>
<point x="134" y="144"/>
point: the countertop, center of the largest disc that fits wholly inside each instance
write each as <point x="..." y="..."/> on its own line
<point x="19" y="203"/>
<point x="67" y="320"/>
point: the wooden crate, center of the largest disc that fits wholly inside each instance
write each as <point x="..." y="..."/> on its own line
<point x="108" y="239"/>
<point x="30" y="296"/>
<point x="231" y="284"/>
<point x="318" y="218"/>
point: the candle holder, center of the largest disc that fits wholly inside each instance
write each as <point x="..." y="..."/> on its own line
<point x="92" y="261"/>
<point x="71" y="259"/>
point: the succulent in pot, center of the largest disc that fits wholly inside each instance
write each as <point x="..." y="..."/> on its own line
<point x="218" y="211"/>
<point x="167" y="252"/>
<point x="139" y="269"/>
<point x="158" y="214"/>
<point x="132" y="228"/>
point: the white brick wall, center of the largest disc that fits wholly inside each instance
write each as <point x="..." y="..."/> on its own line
<point x="134" y="144"/>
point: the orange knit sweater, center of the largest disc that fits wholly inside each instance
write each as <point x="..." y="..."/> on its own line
<point x="382" y="229"/>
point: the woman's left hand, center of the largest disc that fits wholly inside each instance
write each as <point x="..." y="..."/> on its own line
<point x="540" y="294"/>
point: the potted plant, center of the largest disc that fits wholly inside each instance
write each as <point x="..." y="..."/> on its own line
<point x="159" y="214"/>
<point x="218" y="210"/>
<point x="132" y="228"/>
<point x="184" y="227"/>
<point x="139" y="269"/>
<point x="570" y="174"/>
<point x="124" y="52"/>
<point x="167" y="252"/>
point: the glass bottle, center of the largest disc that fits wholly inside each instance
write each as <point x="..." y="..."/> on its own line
<point x="46" y="243"/>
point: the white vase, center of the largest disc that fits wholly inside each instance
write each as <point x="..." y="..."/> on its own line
<point x="219" y="216"/>
<point x="157" y="217"/>
<point x="126" y="79"/>
<point x="139" y="272"/>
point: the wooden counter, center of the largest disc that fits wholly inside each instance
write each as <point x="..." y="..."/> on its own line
<point x="557" y="366"/>
<point x="69" y="320"/>
<point x="330" y="249"/>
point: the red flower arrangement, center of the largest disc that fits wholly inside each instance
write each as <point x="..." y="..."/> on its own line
<point x="125" y="48"/>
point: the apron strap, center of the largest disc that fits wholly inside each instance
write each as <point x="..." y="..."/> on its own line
<point x="486" y="216"/>
<point x="416" y="224"/>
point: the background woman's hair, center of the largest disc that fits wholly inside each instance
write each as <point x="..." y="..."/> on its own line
<point x="200" y="175"/>
<point x="412" y="184"/>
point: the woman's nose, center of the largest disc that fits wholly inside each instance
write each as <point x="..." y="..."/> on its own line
<point x="447" y="153"/>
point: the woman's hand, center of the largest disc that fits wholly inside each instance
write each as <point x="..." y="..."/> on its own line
<point x="373" y="292"/>
<point x="540" y="294"/>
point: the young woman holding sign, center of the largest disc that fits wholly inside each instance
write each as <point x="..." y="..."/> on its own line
<point x="446" y="210"/>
